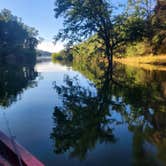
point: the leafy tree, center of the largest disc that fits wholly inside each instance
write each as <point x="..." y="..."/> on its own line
<point x="15" y="35"/>
<point x="159" y="24"/>
<point x="144" y="10"/>
<point x="63" y="55"/>
<point x="85" y="18"/>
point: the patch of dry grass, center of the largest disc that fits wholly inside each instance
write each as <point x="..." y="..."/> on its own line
<point x="147" y="62"/>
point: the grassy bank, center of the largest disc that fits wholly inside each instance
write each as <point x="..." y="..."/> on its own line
<point x="147" y="62"/>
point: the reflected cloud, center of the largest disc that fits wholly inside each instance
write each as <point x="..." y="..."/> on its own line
<point x="50" y="67"/>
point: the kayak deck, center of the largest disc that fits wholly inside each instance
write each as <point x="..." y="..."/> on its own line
<point x="13" y="154"/>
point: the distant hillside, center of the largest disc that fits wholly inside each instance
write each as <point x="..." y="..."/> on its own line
<point x="43" y="53"/>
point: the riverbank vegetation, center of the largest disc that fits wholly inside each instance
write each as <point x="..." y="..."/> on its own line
<point x="17" y="40"/>
<point x="138" y="30"/>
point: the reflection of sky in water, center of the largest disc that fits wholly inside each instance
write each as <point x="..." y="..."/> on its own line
<point x="30" y="118"/>
<point x="31" y="121"/>
<point x="50" y="67"/>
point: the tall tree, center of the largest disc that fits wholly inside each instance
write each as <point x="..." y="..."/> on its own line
<point x="83" y="18"/>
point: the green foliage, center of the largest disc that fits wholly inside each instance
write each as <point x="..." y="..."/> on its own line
<point x="15" y="35"/>
<point x="148" y="19"/>
<point x="62" y="56"/>
<point x="143" y="9"/>
<point x="94" y="19"/>
<point x="135" y="31"/>
<point x="137" y="49"/>
<point x="83" y="18"/>
<point x="56" y="56"/>
<point x="159" y="26"/>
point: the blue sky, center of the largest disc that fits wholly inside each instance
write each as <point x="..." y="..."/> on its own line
<point x="38" y="14"/>
<point x="35" y="13"/>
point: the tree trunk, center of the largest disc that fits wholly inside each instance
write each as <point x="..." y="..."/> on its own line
<point x="109" y="54"/>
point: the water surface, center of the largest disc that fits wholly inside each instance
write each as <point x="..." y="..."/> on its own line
<point x="77" y="116"/>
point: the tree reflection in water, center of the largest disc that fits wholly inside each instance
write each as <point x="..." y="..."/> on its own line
<point x="86" y="119"/>
<point x="83" y="121"/>
<point x="14" y="79"/>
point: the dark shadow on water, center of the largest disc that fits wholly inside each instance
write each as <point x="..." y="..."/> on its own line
<point x="86" y="117"/>
<point x="83" y="121"/>
<point x="14" y="79"/>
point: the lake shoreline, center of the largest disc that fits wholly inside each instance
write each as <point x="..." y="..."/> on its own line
<point x="147" y="62"/>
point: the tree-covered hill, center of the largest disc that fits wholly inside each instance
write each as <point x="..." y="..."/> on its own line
<point x="17" y="40"/>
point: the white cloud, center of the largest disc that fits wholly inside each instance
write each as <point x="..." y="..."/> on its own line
<point x="49" y="46"/>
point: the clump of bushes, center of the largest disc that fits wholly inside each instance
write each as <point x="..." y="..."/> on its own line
<point x="62" y="56"/>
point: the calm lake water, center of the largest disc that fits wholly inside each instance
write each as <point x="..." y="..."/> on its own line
<point x="77" y="116"/>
